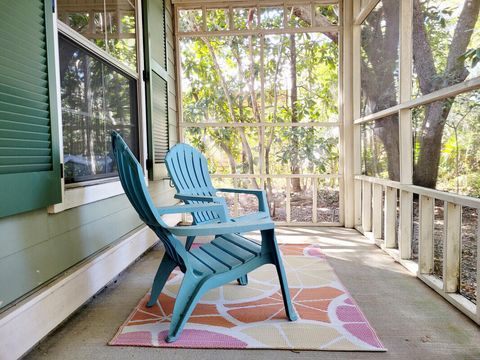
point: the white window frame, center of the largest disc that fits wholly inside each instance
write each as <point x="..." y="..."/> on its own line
<point x="82" y="193"/>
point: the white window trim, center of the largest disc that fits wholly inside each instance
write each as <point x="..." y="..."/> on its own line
<point x="83" y="193"/>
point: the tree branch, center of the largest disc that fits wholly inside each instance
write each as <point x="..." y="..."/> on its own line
<point x="455" y="71"/>
<point x="305" y="13"/>
<point x="422" y="52"/>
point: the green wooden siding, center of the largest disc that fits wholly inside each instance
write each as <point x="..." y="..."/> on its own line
<point x="36" y="246"/>
<point x="29" y="150"/>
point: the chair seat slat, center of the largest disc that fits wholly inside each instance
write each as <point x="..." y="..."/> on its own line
<point x="222" y="256"/>
<point x="209" y="260"/>
<point x="240" y="241"/>
<point x="233" y="249"/>
<point x="199" y="266"/>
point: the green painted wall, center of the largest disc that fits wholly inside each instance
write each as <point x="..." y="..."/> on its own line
<point x="36" y="246"/>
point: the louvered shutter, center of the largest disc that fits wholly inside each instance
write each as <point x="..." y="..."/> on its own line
<point x="29" y="148"/>
<point x="157" y="86"/>
<point x="159" y="118"/>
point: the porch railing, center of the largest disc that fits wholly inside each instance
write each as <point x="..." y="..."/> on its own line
<point x="317" y="211"/>
<point x="384" y="211"/>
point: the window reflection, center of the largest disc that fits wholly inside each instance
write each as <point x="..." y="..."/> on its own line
<point x="110" y="24"/>
<point x="96" y="99"/>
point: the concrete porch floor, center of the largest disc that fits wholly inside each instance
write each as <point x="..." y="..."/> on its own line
<point x="412" y="321"/>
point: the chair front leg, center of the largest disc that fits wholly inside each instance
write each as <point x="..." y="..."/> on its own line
<point x="164" y="270"/>
<point x="268" y="236"/>
<point x="187" y="298"/>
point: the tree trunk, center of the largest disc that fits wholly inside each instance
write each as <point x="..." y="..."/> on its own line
<point x="384" y="129"/>
<point x="295" y="158"/>
<point x="425" y="172"/>
<point x="231" y="158"/>
<point x="426" y="169"/>
<point x="246" y="150"/>
<point x="271" y="136"/>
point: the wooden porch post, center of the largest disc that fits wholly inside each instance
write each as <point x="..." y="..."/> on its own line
<point x="405" y="128"/>
<point x="346" y="97"/>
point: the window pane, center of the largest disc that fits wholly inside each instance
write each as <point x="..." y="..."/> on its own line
<point x="299" y="16"/>
<point x="121" y="37"/>
<point x="301" y="69"/>
<point x="301" y="202"/>
<point x="326" y="15"/>
<point x="229" y="197"/>
<point x="271" y="18"/>
<point x="217" y="19"/>
<point x="415" y="227"/>
<point x="379" y="58"/>
<point x="246" y="203"/>
<point x="438" y="238"/>
<point x="446" y="36"/>
<point x="469" y="253"/>
<point x="244" y="18"/>
<point x="328" y="200"/>
<point x="301" y="150"/>
<point x="190" y="20"/>
<point x="447" y="146"/>
<point x="228" y="150"/>
<point x="380" y="148"/>
<point x="220" y="79"/>
<point x="277" y="198"/>
<point x="96" y="99"/>
<point x="109" y="24"/>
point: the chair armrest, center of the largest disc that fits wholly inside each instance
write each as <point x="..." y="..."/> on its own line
<point x="219" y="209"/>
<point x="222" y="228"/>
<point x="260" y="194"/>
<point x="203" y="198"/>
<point x="252" y="217"/>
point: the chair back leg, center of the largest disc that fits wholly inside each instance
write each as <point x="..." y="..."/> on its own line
<point x="243" y="280"/>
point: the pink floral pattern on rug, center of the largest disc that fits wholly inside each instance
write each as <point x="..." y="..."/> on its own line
<point x="253" y="316"/>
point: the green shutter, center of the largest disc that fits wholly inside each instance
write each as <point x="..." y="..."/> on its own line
<point x="29" y="148"/>
<point x="156" y="86"/>
<point x="156" y="21"/>
<point x="159" y="103"/>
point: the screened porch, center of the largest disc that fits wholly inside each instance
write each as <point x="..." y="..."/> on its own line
<point x="359" y="120"/>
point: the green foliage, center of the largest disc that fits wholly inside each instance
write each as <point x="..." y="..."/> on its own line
<point x="472" y="55"/>
<point x="459" y="164"/>
<point x="221" y="83"/>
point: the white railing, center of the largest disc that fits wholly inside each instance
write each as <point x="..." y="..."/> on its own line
<point x="317" y="214"/>
<point x="384" y="212"/>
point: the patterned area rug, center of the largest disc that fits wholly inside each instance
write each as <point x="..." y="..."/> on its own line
<point x="252" y="316"/>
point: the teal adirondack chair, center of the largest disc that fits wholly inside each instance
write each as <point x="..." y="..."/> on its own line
<point x="188" y="169"/>
<point x="226" y="258"/>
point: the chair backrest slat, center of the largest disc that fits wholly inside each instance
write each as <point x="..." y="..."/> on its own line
<point x="188" y="169"/>
<point x="199" y="165"/>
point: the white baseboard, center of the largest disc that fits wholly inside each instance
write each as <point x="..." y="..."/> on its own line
<point x="26" y="323"/>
